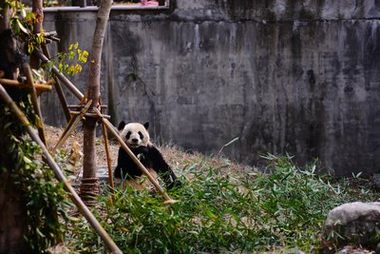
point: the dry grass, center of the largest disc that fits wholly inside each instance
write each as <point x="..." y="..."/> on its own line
<point x="179" y="159"/>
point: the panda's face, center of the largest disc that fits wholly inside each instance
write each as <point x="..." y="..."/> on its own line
<point x="135" y="134"/>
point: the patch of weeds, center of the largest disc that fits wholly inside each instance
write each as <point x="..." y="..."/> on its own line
<point x="221" y="212"/>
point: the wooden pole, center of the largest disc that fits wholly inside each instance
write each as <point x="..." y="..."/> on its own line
<point x="93" y="93"/>
<point x="37" y="10"/>
<point x="58" y="88"/>
<point x="83" y="209"/>
<point x="15" y="83"/>
<point x="36" y="105"/>
<point x="73" y="123"/>
<point x="108" y="156"/>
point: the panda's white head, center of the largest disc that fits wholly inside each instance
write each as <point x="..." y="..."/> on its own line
<point x="135" y="134"/>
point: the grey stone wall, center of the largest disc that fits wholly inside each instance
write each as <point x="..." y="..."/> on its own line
<point x="284" y="76"/>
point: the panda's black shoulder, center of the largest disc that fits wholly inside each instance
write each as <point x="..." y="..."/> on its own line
<point x="153" y="151"/>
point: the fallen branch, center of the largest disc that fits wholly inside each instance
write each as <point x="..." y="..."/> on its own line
<point x="225" y="145"/>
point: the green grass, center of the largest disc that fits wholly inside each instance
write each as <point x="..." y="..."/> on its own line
<point x="223" y="212"/>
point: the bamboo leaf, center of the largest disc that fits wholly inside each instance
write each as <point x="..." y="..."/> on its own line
<point x="21" y="26"/>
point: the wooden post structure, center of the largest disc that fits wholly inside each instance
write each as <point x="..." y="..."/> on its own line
<point x="111" y="128"/>
<point x="59" y="174"/>
<point x="73" y="123"/>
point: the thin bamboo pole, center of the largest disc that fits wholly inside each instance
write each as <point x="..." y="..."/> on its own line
<point x="62" y="77"/>
<point x="88" y="114"/>
<point x="109" y="161"/>
<point x="83" y="209"/>
<point x="73" y="123"/>
<point x="58" y="88"/>
<point x="110" y="127"/>
<point x="29" y="78"/>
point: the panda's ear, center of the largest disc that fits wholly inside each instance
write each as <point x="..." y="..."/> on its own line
<point x="121" y="125"/>
<point x="146" y="125"/>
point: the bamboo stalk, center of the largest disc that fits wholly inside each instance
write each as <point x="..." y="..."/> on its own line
<point x="36" y="105"/>
<point x="62" y="77"/>
<point x="15" y="83"/>
<point x="73" y="123"/>
<point x="108" y="156"/>
<point x="110" y="127"/>
<point x="83" y="209"/>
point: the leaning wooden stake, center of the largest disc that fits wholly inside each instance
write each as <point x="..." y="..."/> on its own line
<point x="107" y="149"/>
<point x="110" y="127"/>
<point x="62" y="77"/>
<point x="73" y="123"/>
<point x="58" y="88"/>
<point x="29" y="78"/>
<point x="59" y="174"/>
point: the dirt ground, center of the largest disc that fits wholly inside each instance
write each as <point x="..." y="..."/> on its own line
<point x="76" y="138"/>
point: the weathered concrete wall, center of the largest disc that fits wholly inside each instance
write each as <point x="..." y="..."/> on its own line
<point x="284" y="76"/>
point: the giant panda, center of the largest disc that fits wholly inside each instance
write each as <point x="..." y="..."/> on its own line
<point x="137" y="138"/>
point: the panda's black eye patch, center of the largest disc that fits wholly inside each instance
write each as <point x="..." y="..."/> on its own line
<point x="128" y="135"/>
<point x="141" y="135"/>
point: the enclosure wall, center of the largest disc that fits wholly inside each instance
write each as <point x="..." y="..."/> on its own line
<point x="284" y="76"/>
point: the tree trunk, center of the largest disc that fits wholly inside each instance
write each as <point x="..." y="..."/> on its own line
<point x="37" y="9"/>
<point x="89" y="185"/>
<point x="4" y="16"/>
<point x="12" y="207"/>
<point x="12" y="216"/>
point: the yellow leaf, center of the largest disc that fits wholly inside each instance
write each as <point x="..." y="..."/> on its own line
<point x="22" y="28"/>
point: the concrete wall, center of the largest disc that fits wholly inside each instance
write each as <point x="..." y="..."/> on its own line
<point x="285" y="76"/>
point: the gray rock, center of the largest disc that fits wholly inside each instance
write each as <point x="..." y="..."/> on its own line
<point x="354" y="223"/>
<point x="353" y="250"/>
<point x="294" y="251"/>
<point x="101" y="174"/>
